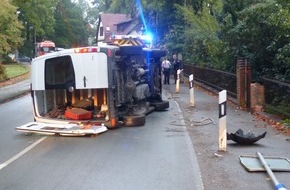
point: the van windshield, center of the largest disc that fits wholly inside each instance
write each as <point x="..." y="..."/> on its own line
<point x="59" y="73"/>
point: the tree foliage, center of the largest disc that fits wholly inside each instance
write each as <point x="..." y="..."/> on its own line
<point x="70" y="27"/>
<point x="10" y="27"/>
<point x="260" y="33"/>
<point x="37" y="15"/>
<point x="201" y="34"/>
<point x="211" y="33"/>
<point x="220" y="31"/>
<point x="62" y="21"/>
<point x="10" y="30"/>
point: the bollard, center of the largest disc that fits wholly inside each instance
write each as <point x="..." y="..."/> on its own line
<point x="222" y="120"/>
<point x="191" y="90"/>
<point x="177" y="81"/>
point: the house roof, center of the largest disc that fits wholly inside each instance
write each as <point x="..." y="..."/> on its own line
<point x="112" y="20"/>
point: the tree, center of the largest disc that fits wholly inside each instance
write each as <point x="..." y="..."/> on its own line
<point x="71" y="29"/>
<point x="260" y="34"/>
<point x="202" y="44"/>
<point x="90" y="13"/>
<point x="102" y="5"/>
<point x="10" y="28"/>
<point x="37" y="17"/>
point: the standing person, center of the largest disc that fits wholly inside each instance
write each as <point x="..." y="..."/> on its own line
<point x="176" y="65"/>
<point x="166" y="70"/>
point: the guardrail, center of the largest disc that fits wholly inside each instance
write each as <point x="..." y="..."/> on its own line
<point x="219" y="80"/>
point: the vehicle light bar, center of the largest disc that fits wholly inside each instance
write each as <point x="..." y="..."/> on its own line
<point x="86" y="50"/>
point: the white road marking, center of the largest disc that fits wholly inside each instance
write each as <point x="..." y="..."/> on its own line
<point x="193" y="157"/>
<point x="3" y="165"/>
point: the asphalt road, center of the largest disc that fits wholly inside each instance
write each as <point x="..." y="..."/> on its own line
<point x="155" y="156"/>
<point x="223" y="170"/>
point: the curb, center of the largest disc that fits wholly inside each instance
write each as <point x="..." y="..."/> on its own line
<point x="14" y="80"/>
<point x="13" y="96"/>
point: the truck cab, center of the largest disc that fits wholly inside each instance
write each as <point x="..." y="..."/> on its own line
<point x="107" y="86"/>
<point x="44" y="47"/>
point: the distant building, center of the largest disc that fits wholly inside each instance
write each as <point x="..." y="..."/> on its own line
<point x="116" y="24"/>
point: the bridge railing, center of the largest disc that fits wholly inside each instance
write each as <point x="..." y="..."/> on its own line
<point x="219" y="80"/>
<point x="276" y="94"/>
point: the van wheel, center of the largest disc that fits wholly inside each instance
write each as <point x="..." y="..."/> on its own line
<point x="160" y="106"/>
<point x="134" y="120"/>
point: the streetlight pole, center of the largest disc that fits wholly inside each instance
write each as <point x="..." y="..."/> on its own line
<point x="34" y="40"/>
<point x="35" y="46"/>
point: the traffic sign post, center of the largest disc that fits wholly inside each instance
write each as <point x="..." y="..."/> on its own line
<point x="178" y="81"/>
<point x="222" y="121"/>
<point x="191" y="90"/>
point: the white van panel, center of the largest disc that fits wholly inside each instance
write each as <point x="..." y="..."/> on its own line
<point x="91" y="70"/>
<point x="37" y="74"/>
<point x="61" y="129"/>
<point x="89" y="66"/>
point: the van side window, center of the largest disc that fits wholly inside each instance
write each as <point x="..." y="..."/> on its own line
<point x="59" y="73"/>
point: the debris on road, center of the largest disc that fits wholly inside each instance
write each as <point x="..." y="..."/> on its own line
<point x="266" y="163"/>
<point x="202" y="122"/>
<point x="244" y="139"/>
<point x="62" y="129"/>
<point x="252" y="164"/>
<point x="218" y="155"/>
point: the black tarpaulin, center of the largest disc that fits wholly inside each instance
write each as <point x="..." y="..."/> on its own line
<point x="246" y="139"/>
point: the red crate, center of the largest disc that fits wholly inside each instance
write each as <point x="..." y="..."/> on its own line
<point x="78" y="114"/>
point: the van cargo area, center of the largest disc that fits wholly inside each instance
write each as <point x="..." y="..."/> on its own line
<point x="81" y="104"/>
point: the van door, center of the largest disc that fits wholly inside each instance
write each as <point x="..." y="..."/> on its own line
<point x="64" y="129"/>
<point x="91" y="70"/>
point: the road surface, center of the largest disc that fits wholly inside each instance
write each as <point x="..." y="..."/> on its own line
<point x="156" y="156"/>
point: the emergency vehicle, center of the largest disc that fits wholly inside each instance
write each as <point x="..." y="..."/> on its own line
<point x="44" y="47"/>
<point x="86" y="90"/>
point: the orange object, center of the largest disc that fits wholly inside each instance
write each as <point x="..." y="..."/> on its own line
<point x="78" y="114"/>
<point x="113" y="122"/>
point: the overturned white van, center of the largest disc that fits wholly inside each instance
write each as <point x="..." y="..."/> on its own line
<point x="103" y="87"/>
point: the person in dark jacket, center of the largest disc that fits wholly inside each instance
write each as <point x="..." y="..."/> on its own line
<point x="175" y="65"/>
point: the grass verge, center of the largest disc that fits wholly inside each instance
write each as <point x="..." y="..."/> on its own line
<point x="14" y="70"/>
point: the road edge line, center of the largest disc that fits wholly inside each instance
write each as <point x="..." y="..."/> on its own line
<point x="12" y="159"/>
<point x="199" y="183"/>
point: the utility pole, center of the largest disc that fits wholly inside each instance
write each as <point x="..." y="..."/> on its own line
<point x="34" y="40"/>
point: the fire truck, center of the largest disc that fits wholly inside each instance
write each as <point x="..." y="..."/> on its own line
<point x="87" y="90"/>
<point x="44" y="47"/>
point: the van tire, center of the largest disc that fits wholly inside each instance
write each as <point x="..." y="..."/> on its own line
<point x="134" y="120"/>
<point x="160" y="106"/>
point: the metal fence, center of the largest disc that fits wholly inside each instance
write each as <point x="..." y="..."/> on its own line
<point x="277" y="96"/>
<point x="216" y="79"/>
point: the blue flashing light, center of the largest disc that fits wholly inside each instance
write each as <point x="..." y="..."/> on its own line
<point x="148" y="37"/>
